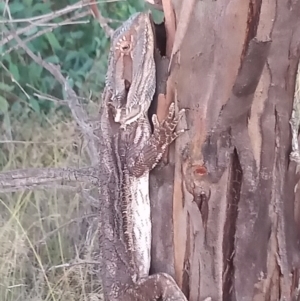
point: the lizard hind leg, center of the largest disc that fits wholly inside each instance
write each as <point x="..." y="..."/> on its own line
<point x="159" y="286"/>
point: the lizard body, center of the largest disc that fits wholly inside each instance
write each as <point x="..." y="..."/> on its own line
<point x="129" y="150"/>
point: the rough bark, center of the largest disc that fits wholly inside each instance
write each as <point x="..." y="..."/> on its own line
<point x="235" y="213"/>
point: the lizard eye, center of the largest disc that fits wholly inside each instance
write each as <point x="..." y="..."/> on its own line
<point x="125" y="46"/>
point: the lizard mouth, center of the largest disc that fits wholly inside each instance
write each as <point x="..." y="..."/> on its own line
<point x="127" y="85"/>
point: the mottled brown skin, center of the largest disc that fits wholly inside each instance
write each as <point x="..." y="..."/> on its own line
<point x="128" y="151"/>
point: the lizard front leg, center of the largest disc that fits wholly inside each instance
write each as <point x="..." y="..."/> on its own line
<point x="144" y="159"/>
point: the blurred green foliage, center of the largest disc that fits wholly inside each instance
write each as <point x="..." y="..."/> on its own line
<point x="79" y="49"/>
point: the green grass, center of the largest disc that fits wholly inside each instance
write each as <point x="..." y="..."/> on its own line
<point x="42" y="231"/>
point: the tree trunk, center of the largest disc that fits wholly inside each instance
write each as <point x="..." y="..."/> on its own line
<point x="235" y="202"/>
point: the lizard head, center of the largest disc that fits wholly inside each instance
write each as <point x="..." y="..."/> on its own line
<point x="131" y="69"/>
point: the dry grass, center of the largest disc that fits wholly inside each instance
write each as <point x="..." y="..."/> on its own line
<point x="43" y="231"/>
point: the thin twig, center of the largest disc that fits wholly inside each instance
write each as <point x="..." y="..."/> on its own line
<point x="39" y="20"/>
<point x="87" y="196"/>
<point x="7" y="10"/>
<point x="46" y="96"/>
<point x="14" y="80"/>
<point x="54" y="25"/>
<point x="79" y="114"/>
<point x="49" y="234"/>
<point x="51" y="98"/>
<point x="69" y="265"/>
<point x="62" y="23"/>
<point x="55" y="14"/>
<point x="52" y="15"/>
<point x="102" y="21"/>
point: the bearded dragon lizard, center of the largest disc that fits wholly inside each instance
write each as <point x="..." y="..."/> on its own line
<point x="128" y="151"/>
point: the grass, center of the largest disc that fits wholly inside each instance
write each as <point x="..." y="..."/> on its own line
<point x="43" y="233"/>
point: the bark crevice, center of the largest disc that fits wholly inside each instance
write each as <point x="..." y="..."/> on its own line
<point x="233" y="196"/>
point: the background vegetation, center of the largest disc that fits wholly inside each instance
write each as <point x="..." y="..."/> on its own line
<point x="43" y="232"/>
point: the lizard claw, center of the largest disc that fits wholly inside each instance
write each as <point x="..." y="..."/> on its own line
<point x="155" y="121"/>
<point x="171" y="121"/>
<point x="165" y="131"/>
<point x="171" y="111"/>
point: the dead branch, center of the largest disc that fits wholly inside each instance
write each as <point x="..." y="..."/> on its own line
<point x="39" y="177"/>
<point x="102" y="21"/>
